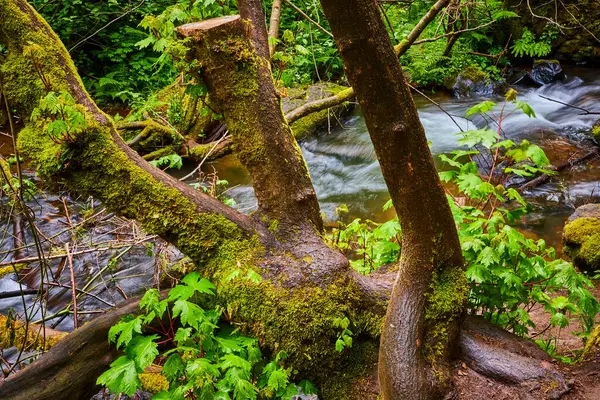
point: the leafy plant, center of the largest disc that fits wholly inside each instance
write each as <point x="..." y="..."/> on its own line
<point x="344" y="339"/>
<point x="60" y="116"/>
<point x="529" y="45"/>
<point x="509" y="273"/>
<point x="369" y="245"/>
<point x="201" y="356"/>
<point x="170" y="161"/>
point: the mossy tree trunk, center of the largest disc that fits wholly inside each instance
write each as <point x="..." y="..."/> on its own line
<point x="429" y="295"/>
<point x="239" y="80"/>
<point x="305" y="285"/>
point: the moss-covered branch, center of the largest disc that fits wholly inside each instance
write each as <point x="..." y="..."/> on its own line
<point x="348" y="95"/>
<point x="98" y="162"/>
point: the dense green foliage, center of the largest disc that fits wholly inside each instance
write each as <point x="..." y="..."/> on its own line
<point x="124" y="56"/>
<point x="203" y="356"/>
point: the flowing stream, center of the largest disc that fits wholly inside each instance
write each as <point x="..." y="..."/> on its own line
<point x="344" y="168"/>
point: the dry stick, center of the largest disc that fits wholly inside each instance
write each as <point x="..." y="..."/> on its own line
<point x="55" y="256"/>
<point x="437" y="105"/>
<point x="309" y="19"/>
<point x="106" y="26"/>
<point x="569" y="164"/>
<point x="433" y="39"/>
<point x="73" y="285"/>
<point x="585" y="111"/>
<point x="100" y="299"/>
<point x="274" y="25"/>
<point x="578" y="22"/>
<point x="204" y="159"/>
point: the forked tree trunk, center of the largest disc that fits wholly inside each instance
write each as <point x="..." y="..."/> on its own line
<point x="429" y="296"/>
<point x="305" y="285"/>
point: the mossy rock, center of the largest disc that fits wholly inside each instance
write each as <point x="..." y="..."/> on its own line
<point x="582" y="237"/>
<point x="473" y="82"/>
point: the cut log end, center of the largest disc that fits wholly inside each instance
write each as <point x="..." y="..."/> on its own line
<point x="191" y="30"/>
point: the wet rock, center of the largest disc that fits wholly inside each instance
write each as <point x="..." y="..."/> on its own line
<point x="518" y="76"/>
<point x="546" y="71"/>
<point x="471" y="82"/>
<point x="581" y="237"/>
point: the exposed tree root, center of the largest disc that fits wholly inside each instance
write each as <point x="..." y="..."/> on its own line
<point x="85" y="354"/>
<point x="498" y="354"/>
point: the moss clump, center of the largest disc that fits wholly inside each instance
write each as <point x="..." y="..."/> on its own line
<point x="596" y="132"/>
<point x="299" y="321"/>
<point x="582" y="242"/>
<point x="153" y="382"/>
<point x="474" y="75"/>
<point x="9" y="269"/>
<point x="13" y="333"/>
<point x="445" y="304"/>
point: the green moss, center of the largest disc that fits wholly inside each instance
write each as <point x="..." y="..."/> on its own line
<point x="22" y="82"/>
<point x="299" y="321"/>
<point x="273" y="226"/>
<point x="306" y="126"/>
<point x="590" y="251"/>
<point x="13" y="333"/>
<point x="579" y="230"/>
<point x="596" y="132"/>
<point x="155" y="155"/>
<point x="153" y="382"/>
<point x="11" y="269"/>
<point x="445" y="304"/>
<point x="474" y="74"/>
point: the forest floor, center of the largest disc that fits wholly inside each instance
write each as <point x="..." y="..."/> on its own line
<point x="584" y="376"/>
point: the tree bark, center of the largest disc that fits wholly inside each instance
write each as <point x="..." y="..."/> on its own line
<point x="429" y="296"/>
<point x="239" y="80"/>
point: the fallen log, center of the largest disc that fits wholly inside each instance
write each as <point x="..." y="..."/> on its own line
<point x="70" y="368"/>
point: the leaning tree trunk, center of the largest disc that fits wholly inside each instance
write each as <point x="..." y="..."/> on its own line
<point x="239" y="80"/>
<point x="305" y="285"/>
<point x="429" y="295"/>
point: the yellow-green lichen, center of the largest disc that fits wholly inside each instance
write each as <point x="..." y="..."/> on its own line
<point x="10" y="269"/>
<point x="14" y="333"/>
